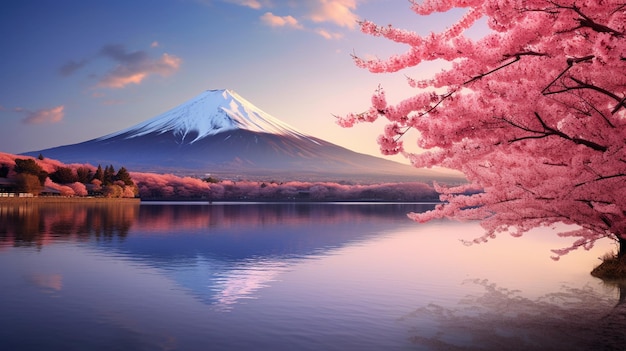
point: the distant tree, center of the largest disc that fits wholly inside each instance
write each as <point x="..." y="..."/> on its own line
<point x="130" y="191"/>
<point x="84" y="174"/>
<point x="113" y="190"/>
<point x="29" y="166"/>
<point x="79" y="188"/>
<point x="63" y="175"/>
<point x="211" y="179"/>
<point x="109" y="175"/>
<point x="533" y="113"/>
<point x="4" y="171"/>
<point x="124" y="176"/>
<point x="28" y="183"/>
<point x="40" y="157"/>
<point x="99" y="175"/>
<point x="96" y="186"/>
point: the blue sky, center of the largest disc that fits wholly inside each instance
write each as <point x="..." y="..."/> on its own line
<point x="73" y="70"/>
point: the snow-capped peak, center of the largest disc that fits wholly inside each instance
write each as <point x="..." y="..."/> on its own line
<point x="210" y="113"/>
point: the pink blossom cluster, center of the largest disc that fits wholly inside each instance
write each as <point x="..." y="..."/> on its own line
<point x="153" y="186"/>
<point x="533" y="113"/>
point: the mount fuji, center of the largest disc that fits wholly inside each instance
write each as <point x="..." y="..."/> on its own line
<point x="220" y="133"/>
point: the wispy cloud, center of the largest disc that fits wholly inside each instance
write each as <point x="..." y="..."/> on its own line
<point x="72" y="66"/>
<point x="280" y="21"/>
<point x="132" y="67"/>
<point x="328" y="35"/>
<point x="50" y="115"/>
<point x="253" y="4"/>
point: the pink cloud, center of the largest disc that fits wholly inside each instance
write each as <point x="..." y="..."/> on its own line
<point x="51" y="115"/>
<point x="280" y="21"/>
<point x="339" y="12"/>
<point x="133" y="68"/>
<point x="328" y="35"/>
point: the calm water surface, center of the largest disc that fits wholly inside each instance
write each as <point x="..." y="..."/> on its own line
<point x="290" y="277"/>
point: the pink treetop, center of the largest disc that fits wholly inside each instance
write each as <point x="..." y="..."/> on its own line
<point x="534" y="114"/>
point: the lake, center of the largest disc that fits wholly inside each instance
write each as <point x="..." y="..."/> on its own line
<point x="290" y="276"/>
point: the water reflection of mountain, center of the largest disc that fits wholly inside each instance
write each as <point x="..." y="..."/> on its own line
<point x="219" y="253"/>
<point x="240" y="231"/>
<point x="225" y="253"/>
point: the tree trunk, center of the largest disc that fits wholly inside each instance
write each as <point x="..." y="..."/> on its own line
<point x="622" y="246"/>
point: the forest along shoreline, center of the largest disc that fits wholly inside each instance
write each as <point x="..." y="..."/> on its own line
<point x="78" y="199"/>
<point x="54" y="199"/>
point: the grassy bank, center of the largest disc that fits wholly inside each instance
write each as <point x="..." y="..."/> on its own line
<point x="611" y="268"/>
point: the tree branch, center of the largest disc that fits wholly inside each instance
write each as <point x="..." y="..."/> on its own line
<point x="621" y="102"/>
<point x="597" y="111"/>
<point x="432" y="108"/>
<point x="549" y="131"/>
<point x="601" y="178"/>
<point x="570" y="63"/>
<point x="518" y="56"/>
<point x="586" y="22"/>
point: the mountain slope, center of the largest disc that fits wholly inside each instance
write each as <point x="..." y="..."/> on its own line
<point x="210" y="113"/>
<point x="220" y="133"/>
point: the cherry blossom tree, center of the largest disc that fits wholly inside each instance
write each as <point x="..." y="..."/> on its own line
<point x="533" y="113"/>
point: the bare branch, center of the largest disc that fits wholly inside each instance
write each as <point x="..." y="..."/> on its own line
<point x="570" y="63"/>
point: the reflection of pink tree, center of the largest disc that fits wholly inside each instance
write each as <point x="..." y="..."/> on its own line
<point x="569" y="319"/>
<point x="533" y="113"/>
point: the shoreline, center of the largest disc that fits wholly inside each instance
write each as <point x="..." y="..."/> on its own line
<point x="54" y="199"/>
<point x="60" y="199"/>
